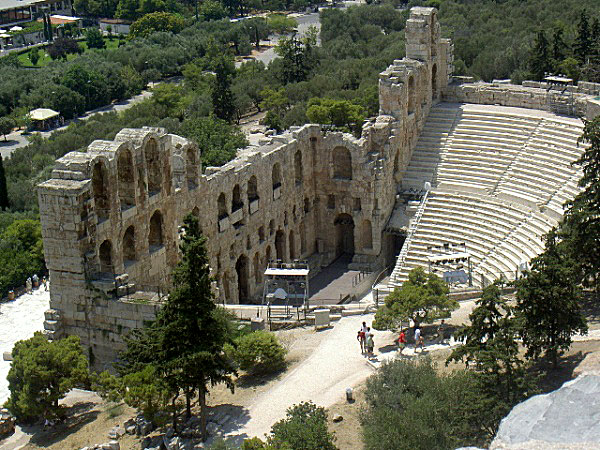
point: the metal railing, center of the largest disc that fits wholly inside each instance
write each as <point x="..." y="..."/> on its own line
<point x="384" y="273"/>
<point x="411" y="231"/>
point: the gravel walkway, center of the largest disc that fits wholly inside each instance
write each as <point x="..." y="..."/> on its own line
<point x="335" y="365"/>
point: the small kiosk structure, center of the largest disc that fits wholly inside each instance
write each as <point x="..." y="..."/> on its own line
<point x="452" y="263"/>
<point x="559" y="95"/>
<point x="285" y="291"/>
<point x="44" y="119"/>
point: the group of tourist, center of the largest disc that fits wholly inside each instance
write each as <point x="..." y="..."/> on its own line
<point x="367" y="344"/>
<point x="34" y="282"/>
<point x="365" y="338"/>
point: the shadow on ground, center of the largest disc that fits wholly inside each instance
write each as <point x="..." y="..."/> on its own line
<point x="8" y="143"/>
<point x="590" y="307"/>
<point x="238" y="418"/>
<point x="551" y="379"/>
<point x="78" y="416"/>
<point x="388" y="348"/>
<point x="249" y="380"/>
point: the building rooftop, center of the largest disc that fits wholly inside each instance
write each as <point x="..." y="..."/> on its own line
<point x="11" y="4"/>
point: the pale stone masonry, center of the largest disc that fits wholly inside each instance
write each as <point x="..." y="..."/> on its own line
<point x="110" y="215"/>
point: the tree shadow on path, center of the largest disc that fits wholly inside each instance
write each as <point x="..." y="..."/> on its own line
<point x="550" y="378"/>
<point x="78" y="416"/>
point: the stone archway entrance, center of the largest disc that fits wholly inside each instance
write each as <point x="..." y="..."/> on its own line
<point x="280" y="245"/>
<point x="241" y="267"/>
<point x="344" y="235"/>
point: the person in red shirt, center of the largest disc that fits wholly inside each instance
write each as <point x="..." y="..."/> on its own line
<point x="401" y="341"/>
<point x="361" y="338"/>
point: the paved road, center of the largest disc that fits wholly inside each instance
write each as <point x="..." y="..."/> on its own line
<point x="18" y="139"/>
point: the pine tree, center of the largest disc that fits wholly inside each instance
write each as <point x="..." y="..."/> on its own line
<point x="581" y="223"/>
<point x="490" y="347"/>
<point x="222" y="97"/>
<point x="583" y="41"/>
<point x="4" y="204"/>
<point x="548" y="302"/>
<point x="185" y="343"/>
<point x="41" y="373"/>
<point x="558" y="44"/>
<point x="595" y="37"/>
<point x="539" y="61"/>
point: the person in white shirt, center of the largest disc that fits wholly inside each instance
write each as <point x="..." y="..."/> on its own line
<point x="419" y="340"/>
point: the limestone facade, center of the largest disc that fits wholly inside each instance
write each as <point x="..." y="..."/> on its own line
<point x="110" y="215"/>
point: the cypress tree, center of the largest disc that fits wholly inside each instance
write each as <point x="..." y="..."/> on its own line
<point x="3" y="190"/>
<point x="540" y="57"/>
<point x="222" y="97"/>
<point x="583" y="41"/>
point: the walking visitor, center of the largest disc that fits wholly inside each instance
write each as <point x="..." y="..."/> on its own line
<point x="401" y="341"/>
<point x="419" y="342"/>
<point x="370" y="343"/>
<point x="361" y="339"/>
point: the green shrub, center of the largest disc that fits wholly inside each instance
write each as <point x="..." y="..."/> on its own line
<point x="259" y="353"/>
<point x="305" y="427"/>
<point x="411" y="406"/>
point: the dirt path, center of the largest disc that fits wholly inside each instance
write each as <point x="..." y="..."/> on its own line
<point x="322" y="378"/>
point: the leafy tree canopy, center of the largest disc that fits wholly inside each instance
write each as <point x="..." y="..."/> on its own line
<point x="154" y="22"/>
<point x="548" y="299"/>
<point x="41" y="373"/>
<point x="305" y="427"/>
<point x="422" y="299"/>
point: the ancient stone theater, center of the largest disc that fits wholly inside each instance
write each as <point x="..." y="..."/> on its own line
<point x="495" y="159"/>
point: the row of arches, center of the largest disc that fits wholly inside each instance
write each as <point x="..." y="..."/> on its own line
<point x="129" y="244"/>
<point x="342" y="169"/>
<point x="285" y="246"/>
<point x="126" y="188"/>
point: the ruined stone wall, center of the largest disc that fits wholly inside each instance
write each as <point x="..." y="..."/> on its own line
<point x="530" y="95"/>
<point x="110" y="215"/>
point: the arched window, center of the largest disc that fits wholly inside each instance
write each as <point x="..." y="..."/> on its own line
<point x="105" y="254"/>
<point x="125" y="173"/>
<point x="100" y="191"/>
<point x="261" y="234"/>
<point x="241" y="267"/>
<point x="236" y="199"/>
<point x="298" y="167"/>
<point x="271" y="227"/>
<point x="280" y="245"/>
<point x="252" y="189"/>
<point x="129" y="254"/>
<point x="153" y="167"/>
<point x="191" y="168"/>
<point x="257" y="269"/>
<point x="411" y="94"/>
<point x="342" y="163"/>
<point x="156" y="237"/>
<point x="306" y="204"/>
<point x="222" y="206"/>
<point x="302" y="239"/>
<point x="276" y="179"/>
<point x="367" y="234"/>
<point x="226" y="290"/>
<point x="268" y="254"/>
<point x="344" y="235"/>
<point x="292" y="240"/>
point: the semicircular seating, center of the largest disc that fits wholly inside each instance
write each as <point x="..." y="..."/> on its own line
<point x="499" y="176"/>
